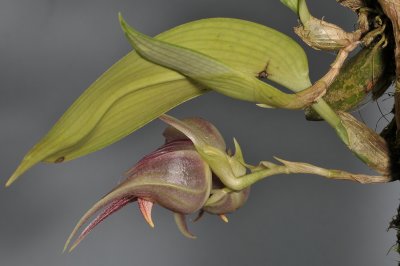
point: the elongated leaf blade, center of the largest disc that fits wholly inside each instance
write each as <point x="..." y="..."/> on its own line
<point x="215" y="74"/>
<point x="134" y="91"/>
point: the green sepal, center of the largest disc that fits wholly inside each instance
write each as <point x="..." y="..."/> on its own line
<point x="180" y="220"/>
<point x="299" y="7"/>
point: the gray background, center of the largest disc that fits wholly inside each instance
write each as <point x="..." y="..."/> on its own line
<point x="50" y="51"/>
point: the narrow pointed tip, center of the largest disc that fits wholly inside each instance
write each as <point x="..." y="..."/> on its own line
<point x="10" y="181"/>
<point x="280" y="160"/>
<point x="238" y="151"/>
<point x="145" y="207"/>
<point x="125" y="27"/>
<point x="67" y="243"/>
<point x="65" y="248"/>
<point x="165" y="118"/>
<point x="25" y="165"/>
<point x="121" y="19"/>
<point x="263" y="105"/>
<point x="13" y="177"/>
<point x="73" y="246"/>
<point x="224" y="218"/>
<point x="180" y="221"/>
<point x="131" y="34"/>
<point x="199" y="216"/>
<point x="112" y="203"/>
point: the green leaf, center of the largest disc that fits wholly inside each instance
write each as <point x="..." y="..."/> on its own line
<point x="292" y="4"/>
<point x="211" y="72"/>
<point x="247" y="47"/>
<point x="299" y="7"/>
<point x="134" y="91"/>
<point x="128" y="96"/>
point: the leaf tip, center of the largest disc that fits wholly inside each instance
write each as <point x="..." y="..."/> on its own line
<point x="9" y="181"/>
<point x="28" y="161"/>
<point x="121" y="20"/>
<point x="17" y="173"/>
<point x="73" y="246"/>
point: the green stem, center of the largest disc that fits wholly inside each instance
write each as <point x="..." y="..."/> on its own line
<point x="303" y="12"/>
<point x="327" y="113"/>
<point x="321" y="107"/>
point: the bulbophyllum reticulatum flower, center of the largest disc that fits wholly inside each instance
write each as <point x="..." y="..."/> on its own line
<point x="176" y="177"/>
<point x="194" y="172"/>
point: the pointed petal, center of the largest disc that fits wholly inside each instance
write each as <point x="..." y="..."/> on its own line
<point x="119" y="193"/>
<point x="112" y="207"/>
<point x="263" y="105"/>
<point x="238" y="152"/>
<point x="224" y="218"/>
<point x="199" y="216"/>
<point x="180" y="221"/>
<point x="145" y="207"/>
<point x="174" y="176"/>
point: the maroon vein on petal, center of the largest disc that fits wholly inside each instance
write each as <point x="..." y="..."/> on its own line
<point x="110" y="209"/>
